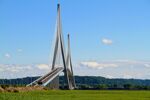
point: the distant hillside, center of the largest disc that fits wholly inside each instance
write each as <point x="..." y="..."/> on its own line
<point x="90" y="82"/>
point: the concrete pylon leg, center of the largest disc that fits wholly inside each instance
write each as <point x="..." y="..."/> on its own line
<point x="54" y="84"/>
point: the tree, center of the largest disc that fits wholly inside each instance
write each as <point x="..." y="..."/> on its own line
<point x="103" y="86"/>
<point x="127" y="86"/>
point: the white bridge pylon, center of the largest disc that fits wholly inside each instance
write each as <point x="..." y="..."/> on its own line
<point x="59" y="52"/>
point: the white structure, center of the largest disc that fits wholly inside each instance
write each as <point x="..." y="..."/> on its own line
<point x="52" y="78"/>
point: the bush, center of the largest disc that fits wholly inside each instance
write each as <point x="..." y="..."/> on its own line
<point x="4" y="86"/>
<point x="16" y="91"/>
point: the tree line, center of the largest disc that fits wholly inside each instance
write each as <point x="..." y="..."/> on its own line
<point x="89" y="82"/>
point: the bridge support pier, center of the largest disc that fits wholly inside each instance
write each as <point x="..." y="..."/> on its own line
<point x="54" y="84"/>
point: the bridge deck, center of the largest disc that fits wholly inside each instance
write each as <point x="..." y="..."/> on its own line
<point x="44" y="80"/>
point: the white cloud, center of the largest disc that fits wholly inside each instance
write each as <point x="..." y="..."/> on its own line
<point x="127" y="76"/>
<point x="43" y="67"/>
<point x="109" y="76"/>
<point x="14" y="68"/>
<point x="94" y="64"/>
<point x="147" y="65"/>
<point x="107" y="41"/>
<point x="7" y="55"/>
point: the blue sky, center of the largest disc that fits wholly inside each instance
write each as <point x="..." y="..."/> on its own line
<point x="107" y="36"/>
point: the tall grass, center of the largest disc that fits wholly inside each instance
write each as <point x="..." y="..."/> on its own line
<point x="77" y="95"/>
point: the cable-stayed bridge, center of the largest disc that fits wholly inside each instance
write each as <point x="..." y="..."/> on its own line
<point x="61" y="62"/>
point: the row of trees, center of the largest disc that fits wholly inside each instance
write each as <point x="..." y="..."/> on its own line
<point x="113" y="87"/>
<point x="89" y="82"/>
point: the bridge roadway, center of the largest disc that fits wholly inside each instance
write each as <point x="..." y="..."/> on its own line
<point x="46" y="79"/>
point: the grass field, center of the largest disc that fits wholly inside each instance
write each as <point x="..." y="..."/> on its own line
<point x="77" y="95"/>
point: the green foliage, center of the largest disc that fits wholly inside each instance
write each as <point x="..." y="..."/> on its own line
<point x="102" y="86"/>
<point x="128" y="86"/>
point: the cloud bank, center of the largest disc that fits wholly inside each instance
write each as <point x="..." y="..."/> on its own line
<point x="17" y="71"/>
<point x="116" y="69"/>
<point x="109" y="69"/>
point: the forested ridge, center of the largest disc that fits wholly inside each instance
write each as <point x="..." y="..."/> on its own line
<point x="89" y="82"/>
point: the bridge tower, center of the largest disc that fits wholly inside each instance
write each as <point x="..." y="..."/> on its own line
<point x="60" y="49"/>
<point x="51" y="79"/>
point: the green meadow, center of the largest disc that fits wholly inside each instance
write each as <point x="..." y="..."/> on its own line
<point x="77" y="95"/>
